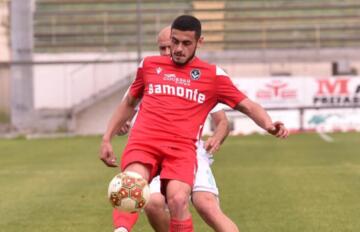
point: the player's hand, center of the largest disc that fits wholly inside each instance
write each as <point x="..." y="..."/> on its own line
<point x="279" y="130"/>
<point x="212" y="145"/>
<point x="107" y="154"/>
<point x="124" y="129"/>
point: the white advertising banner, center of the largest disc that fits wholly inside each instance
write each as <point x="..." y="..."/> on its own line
<point x="319" y="104"/>
<point x="273" y="92"/>
<point x="282" y="92"/>
<point x="328" y="120"/>
<point x="333" y="92"/>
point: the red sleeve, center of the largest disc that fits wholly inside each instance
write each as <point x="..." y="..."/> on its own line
<point x="227" y="92"/>
<point x="138" y="86"/>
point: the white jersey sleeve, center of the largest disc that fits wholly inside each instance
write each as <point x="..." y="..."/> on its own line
<point x="217" y="108"/>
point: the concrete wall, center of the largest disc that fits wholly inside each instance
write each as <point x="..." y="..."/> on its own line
<point x="94" y="119"/>
<point x="318" y="69"/>
<point x="63" y="85"/>
<point x="60" y="87"/>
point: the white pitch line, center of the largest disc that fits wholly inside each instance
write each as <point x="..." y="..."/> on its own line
<point x="325" y="137"/>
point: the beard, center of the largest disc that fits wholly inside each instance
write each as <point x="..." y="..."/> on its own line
<point x="186" y="61"/>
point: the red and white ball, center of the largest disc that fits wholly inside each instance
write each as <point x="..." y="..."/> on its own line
<point x="128" y="192"/>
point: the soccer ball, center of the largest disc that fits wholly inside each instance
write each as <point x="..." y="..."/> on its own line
<point x="128" y="192"/>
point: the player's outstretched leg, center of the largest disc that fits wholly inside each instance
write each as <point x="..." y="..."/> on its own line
<point x="121" y="229"/>
<point x="123" y="221"/>
<point x="208" y="207"/>
<point x="177" y="194"/>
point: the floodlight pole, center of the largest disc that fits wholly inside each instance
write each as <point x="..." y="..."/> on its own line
<point x="22" y="95"/>
<point x="139" y="36"/>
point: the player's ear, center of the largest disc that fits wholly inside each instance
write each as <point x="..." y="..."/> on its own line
<point x="200" y="41"/>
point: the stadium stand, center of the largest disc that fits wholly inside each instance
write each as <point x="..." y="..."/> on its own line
<point x="83" y="25"/>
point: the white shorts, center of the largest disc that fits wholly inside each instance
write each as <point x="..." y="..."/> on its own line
<point x="204" y="178"/>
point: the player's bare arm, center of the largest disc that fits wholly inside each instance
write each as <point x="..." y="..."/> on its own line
<point x="261" y="118"/>
<point x="213" y="143"/>
<point x="122" y="114"/>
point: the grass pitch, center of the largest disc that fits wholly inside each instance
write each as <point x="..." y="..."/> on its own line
<point x="302" y="184"/>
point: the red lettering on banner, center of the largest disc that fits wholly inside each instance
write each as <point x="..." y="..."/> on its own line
<point x="287" y="94"/>
<point x="263" y="94"/>
<point x="336" y="87"/>
<point x="276" y="89"/>
<point x="276" y="86"/>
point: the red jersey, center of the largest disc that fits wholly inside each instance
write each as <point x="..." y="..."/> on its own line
<point x="177" y="99"/>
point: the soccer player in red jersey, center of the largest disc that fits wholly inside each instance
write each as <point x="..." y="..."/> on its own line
<point x="177" y="93"/>
<point x="205" y="194"/>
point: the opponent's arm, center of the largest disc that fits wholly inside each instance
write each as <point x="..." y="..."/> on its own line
<point x="126" y="127"/>
<point x="261" y="118"/>
<point x="213" y="143"/>
<point x="123" y="113"/>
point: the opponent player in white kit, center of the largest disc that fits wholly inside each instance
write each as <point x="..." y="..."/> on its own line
<point x="204" y="196"/>
<point x="205" y="192"/>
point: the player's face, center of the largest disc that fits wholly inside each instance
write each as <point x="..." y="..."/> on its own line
<point x="183" y="46"/>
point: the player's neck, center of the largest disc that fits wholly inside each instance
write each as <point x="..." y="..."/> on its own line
<point x="193" y="59"/>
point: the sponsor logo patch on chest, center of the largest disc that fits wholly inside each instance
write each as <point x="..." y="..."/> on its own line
<point x="177" y="80"/>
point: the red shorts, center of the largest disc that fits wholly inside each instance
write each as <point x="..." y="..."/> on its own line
<point x="176" y="162"/>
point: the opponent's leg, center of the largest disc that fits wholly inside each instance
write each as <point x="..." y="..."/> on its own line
<point x="207" y="205"/>
<point x="157" y="214"/>
<point x="205" y="195"/>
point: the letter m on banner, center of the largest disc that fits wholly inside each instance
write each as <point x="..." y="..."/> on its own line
<point x="333" y="87"/>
